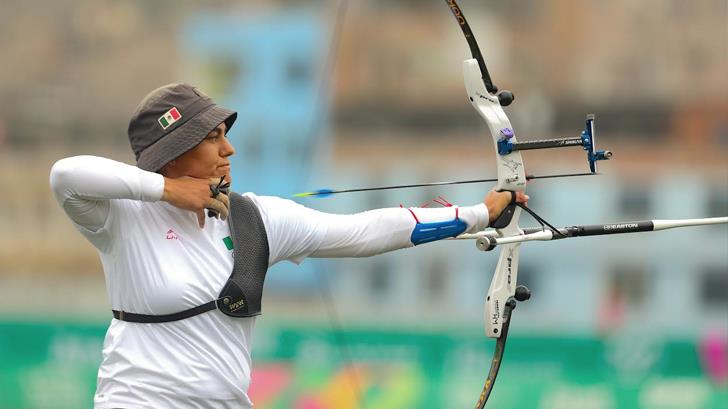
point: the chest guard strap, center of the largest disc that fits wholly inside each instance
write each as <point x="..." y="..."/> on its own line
<point x="241" y="296"/>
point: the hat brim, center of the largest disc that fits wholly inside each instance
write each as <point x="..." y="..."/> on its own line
<point x="184" y="138"/>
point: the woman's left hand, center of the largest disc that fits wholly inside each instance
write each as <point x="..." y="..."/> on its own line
<point x="496" y="202"/>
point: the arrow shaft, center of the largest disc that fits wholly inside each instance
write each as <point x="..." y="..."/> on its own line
<point x="453" y="182"/>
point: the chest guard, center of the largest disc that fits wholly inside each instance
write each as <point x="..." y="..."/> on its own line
<point x="242" y="293"/>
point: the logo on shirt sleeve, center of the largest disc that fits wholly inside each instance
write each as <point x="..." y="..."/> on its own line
<point x="228" y="242"/>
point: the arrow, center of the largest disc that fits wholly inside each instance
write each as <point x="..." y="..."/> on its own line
<point x="321" y="193"/>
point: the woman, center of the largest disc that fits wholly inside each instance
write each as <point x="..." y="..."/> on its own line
<point x="164" y="244"/>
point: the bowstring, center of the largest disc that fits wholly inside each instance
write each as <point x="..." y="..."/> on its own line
<point x="323" y="285"/>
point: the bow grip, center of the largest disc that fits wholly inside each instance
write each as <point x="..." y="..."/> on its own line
<point x="504" y="219"/>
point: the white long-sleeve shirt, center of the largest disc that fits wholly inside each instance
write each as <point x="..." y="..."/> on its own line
<point x="157" y="260"/>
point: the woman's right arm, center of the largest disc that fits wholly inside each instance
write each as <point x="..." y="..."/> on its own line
<point x="84" y="185"/>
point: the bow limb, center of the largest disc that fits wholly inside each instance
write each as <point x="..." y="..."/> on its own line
<point x="501" y="298"/>
<point x="499" y="302"/>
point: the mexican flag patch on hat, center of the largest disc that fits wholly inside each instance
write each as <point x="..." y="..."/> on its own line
<point x="169" y="118"/>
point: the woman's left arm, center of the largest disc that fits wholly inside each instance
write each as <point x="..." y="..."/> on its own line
<point x="382" y="230"/>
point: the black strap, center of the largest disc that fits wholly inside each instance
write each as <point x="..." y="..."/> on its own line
<point x="507" y="214"/>
<point x="504" y="219"/>
<point x="541" y="220"/>
<point x="241" y="295"/>
<point x="154" y="319"/>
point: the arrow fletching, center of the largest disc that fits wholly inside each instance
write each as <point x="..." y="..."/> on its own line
<point x="321" y="193"/>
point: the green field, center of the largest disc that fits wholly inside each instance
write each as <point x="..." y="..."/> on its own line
<point x="53" y="365"/>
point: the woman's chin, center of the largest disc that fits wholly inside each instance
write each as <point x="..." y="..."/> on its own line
<point x="225" y="174"/>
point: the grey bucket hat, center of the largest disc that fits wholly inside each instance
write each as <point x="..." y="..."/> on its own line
<point x="172" y="120"/>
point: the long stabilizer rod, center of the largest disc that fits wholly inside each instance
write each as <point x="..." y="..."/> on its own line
<point x="488" y="240"/>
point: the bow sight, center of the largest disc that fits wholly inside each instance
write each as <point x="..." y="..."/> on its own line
<point x="586" y="140"/>
<point x="506" y="144"/>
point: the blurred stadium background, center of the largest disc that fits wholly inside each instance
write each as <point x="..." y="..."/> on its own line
<point x="630" y="322"/>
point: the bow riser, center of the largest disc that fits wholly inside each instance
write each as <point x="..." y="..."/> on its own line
<point x="511" y="173"/>
<point x="511" y="176"/>
<point x="502" y="287"/>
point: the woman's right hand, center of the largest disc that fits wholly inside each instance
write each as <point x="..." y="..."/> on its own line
<point x="194" y="194"/>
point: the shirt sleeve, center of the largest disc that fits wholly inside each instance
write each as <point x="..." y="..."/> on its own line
<point x="296" y="232"/>
<point x="85" y="185"/>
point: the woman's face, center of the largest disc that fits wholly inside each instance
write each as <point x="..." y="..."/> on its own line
<point x="210" y="158"/>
